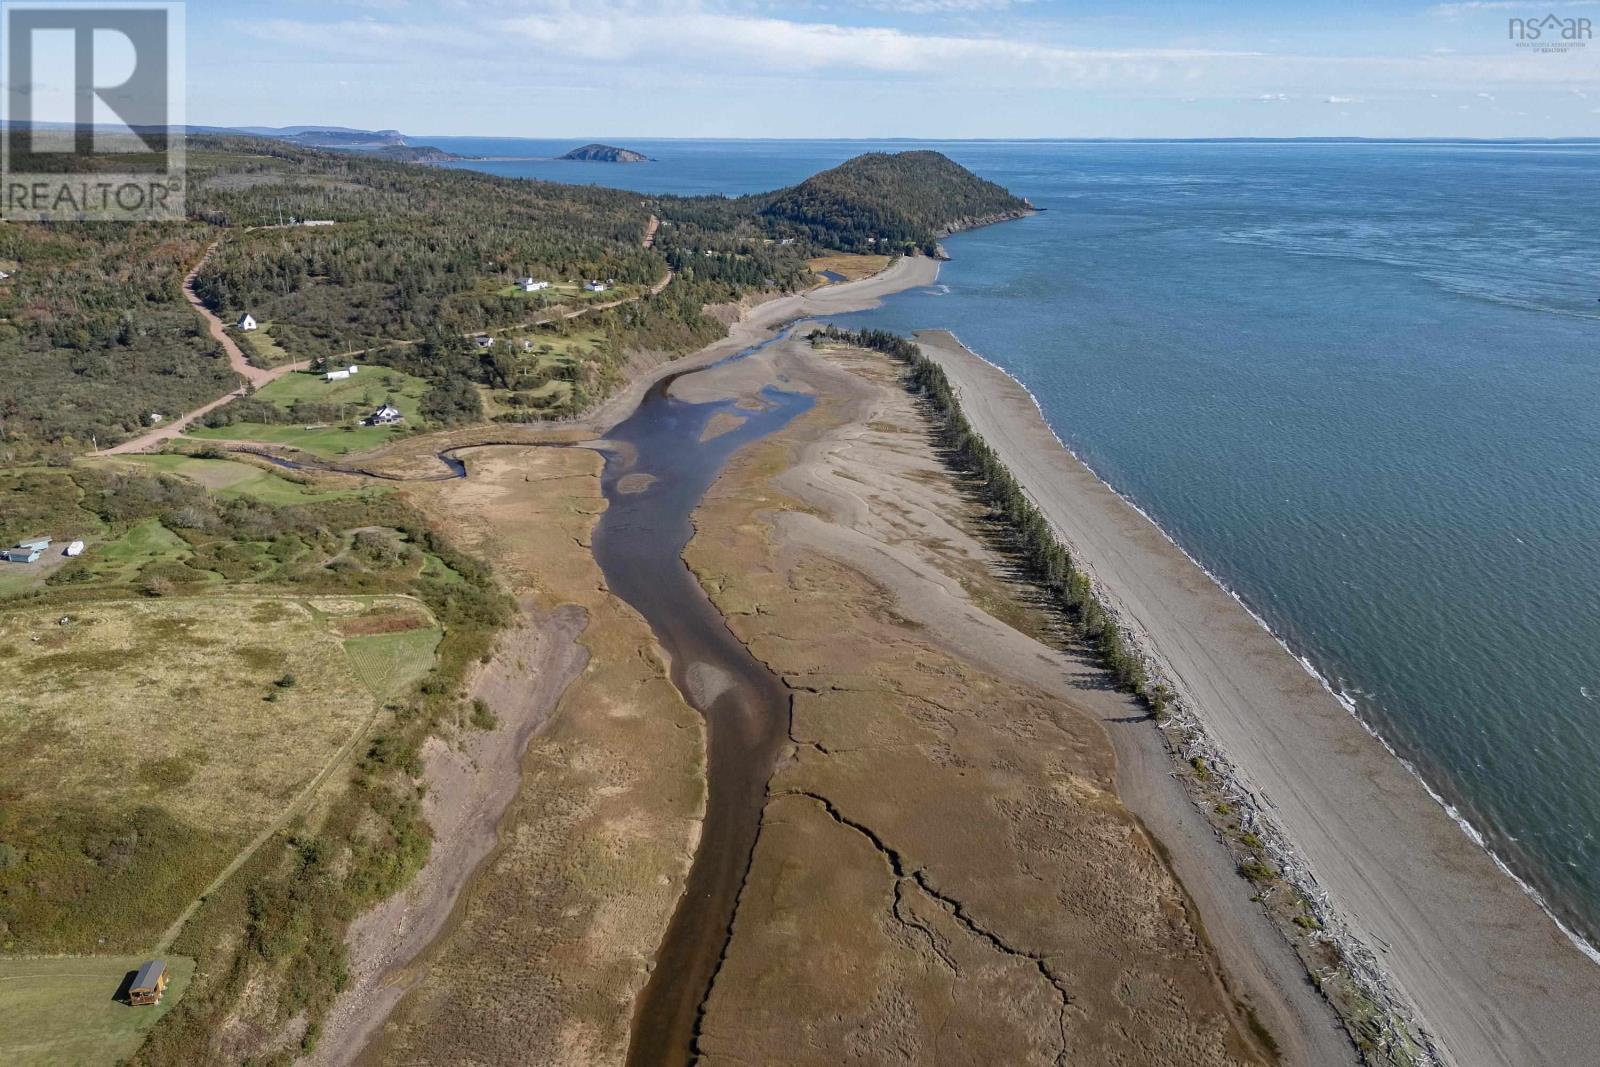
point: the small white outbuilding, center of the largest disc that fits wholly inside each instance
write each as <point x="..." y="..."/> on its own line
<point x="75" y="548"/>
<point x="247" y="321"/>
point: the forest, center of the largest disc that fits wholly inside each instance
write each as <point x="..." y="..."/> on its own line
<point x="97" y="342"/>
<point x="883" y="202"/>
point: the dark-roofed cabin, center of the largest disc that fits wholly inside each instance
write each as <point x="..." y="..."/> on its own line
<point x="149" y="983"/>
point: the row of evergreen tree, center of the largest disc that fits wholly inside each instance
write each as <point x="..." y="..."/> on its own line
<point x="1048" y="561"/>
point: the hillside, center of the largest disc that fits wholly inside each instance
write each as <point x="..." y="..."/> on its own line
<point x="422" y="153"/>
<point x="96" y="339"/>
<point x="904" y="200"/>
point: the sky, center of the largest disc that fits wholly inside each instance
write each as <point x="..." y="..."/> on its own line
<point x="894" y="68"/>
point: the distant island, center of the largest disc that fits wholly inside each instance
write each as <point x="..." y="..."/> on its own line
<point x="605" y="153"/>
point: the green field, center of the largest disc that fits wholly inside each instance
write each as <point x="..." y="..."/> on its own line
<point x="557" y="291"/>
<point x="551" y="393"/>
<point x="148" y="542"/>
<point x="261" y="349"/>
<point x="541" y="384"/>
<point x="388" y="664"/>
<point x="62" y="1011"/>
<point x="234" y="478"/>
<point x="358" y="395"/>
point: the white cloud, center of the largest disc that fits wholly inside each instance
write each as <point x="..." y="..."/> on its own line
<point x="1344" y="100"/>
<point x="938" y="7"/>
<point x="647" y="42"/>
<point x="743" y="41"/>
<point x="1455" y="10"/>
<point x="1272" y="98"/>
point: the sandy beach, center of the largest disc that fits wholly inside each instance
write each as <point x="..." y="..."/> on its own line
<point x="761" y="321"/>
<point x="1490" y="976"/>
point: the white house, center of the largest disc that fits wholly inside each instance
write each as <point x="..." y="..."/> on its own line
<point x="531" y="285"/>
<point x="337" y="375"/>
<point x="596" y="287"/>
<point x="352" y="368"/>
<point x="4" y="275"/>
<point x="247" y="321"/>
<point x="155" y="418"/>
<point x="387" y="415"/>
<point x="483" y="341"/>
<point x="75" y="549"/>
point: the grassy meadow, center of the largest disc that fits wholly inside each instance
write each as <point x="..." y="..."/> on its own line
<point x="176" y="729"/>
<point x="62" y="1012"/>
<point x="211" y="729"/>
<point x="355" y="398"/>
<point x="546" y="367"/>
<point x="239" y="478"/>
<point x="259" y="347"/>
<point x="850" y="266"/>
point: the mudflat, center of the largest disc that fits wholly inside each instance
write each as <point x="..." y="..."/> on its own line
<point x="1492" y="978"/>
<point x="552" y="940"/>
<point x="944" y="871"/>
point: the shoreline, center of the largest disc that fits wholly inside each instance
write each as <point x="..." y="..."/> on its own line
<point x="759" y="324"/>
<point x="1580" y="943"/>
<point x="849" y="516"/>
<point x="1480" y="1000"/>
<point x="392" y="970"/>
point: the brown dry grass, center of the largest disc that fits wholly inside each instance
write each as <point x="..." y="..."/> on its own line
<point x="944" y="856"/>
<point x="553" y="941"/>
<point x="381" y="622"/>
<point x="164" y="701"/>
<point x="851" y="266"/>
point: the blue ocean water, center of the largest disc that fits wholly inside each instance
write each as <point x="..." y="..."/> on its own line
<point x="1359" y="382"/>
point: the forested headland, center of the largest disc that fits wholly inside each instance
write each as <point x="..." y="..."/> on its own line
<point x="343" y="256"/>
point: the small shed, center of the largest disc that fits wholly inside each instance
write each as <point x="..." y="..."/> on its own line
<point x="247" y="321"/>
<point x="75" y="549"/>
<point x="149" y="983"/>
<point x="352" y="368"/>
<point x="337" y="375"/>
<point x="483" y="341"/>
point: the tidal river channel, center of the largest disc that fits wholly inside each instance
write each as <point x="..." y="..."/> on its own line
<point x="656" y="473"/>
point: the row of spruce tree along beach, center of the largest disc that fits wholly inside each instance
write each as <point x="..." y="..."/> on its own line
<point x="1047" y="561"/>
